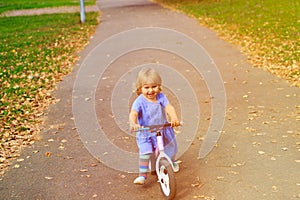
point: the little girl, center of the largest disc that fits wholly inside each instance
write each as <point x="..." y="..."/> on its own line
<point x="151" y="107"/>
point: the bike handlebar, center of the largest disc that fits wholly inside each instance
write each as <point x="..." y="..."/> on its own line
<point x="156" y="127"/>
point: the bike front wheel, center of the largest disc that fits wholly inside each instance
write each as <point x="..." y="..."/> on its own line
<point x="166" y="178"/>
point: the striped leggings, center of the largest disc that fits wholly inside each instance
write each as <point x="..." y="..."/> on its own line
<point x="144" y="164"/>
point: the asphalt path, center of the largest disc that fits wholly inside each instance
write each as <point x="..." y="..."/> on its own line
<point x="254" y="156"/>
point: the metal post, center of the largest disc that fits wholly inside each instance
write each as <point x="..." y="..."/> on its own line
<point x="82" y="11"/>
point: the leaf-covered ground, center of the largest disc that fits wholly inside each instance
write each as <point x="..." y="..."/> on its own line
<point x="36" y="52"/>
<point x="267" y="31"/>
<point x="33" y="4"/>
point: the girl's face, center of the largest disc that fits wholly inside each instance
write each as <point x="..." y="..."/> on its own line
<point x="150" y="91"/>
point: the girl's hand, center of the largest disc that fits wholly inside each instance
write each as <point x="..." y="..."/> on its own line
<point x="175" y="123"/>
<point x="135" y="127"/>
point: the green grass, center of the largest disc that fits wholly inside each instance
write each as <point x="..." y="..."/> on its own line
<point x="36" y="52"/>
<point x="268" y="31"/>
<point x="6" y="5"/>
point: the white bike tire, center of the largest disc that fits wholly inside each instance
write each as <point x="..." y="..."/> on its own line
<point x="167" y="179"/>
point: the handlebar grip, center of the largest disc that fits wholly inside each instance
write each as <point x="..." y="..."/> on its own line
<point x="143" y="129"/>
<point x="167" y="124"/>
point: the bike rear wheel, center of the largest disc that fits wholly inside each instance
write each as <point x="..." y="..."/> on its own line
<point x="166" y="179"/>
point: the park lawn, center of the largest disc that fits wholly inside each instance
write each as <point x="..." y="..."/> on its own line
<point x="6" y="5"/>
<point x="36" y="52"/>
<point x="267" y="31"/>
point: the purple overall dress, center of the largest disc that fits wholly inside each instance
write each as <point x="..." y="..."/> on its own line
<point x="153" y="113"/>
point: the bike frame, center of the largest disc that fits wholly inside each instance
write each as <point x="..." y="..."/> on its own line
<point x="163" y="162"/>
<point x="160" y="153"/>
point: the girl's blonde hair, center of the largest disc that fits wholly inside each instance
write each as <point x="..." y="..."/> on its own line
<point x="145" y="76"/>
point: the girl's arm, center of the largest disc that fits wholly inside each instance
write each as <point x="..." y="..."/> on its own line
<point x="133" y="120"/>
<point x="171" y="112"/>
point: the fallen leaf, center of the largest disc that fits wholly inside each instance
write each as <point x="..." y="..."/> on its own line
<point x="48" y="154"/>
<point x="261" y="152"/>
<point x="195" y="184"/>
<point x="61" y="147"/>
<point x="123" y="176"/>
<point x="273" y="158"/>
<point x="241" y="164"/>
<point x="274" y="188"/>
<point x="16" y="166"/>
<point x="284" y="148"/>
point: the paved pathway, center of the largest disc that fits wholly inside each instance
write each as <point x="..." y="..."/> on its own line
<point x="257" y="156"/>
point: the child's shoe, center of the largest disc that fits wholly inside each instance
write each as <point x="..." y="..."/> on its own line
<point x="139" y="180"/>
<point x="175" y="166"/>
